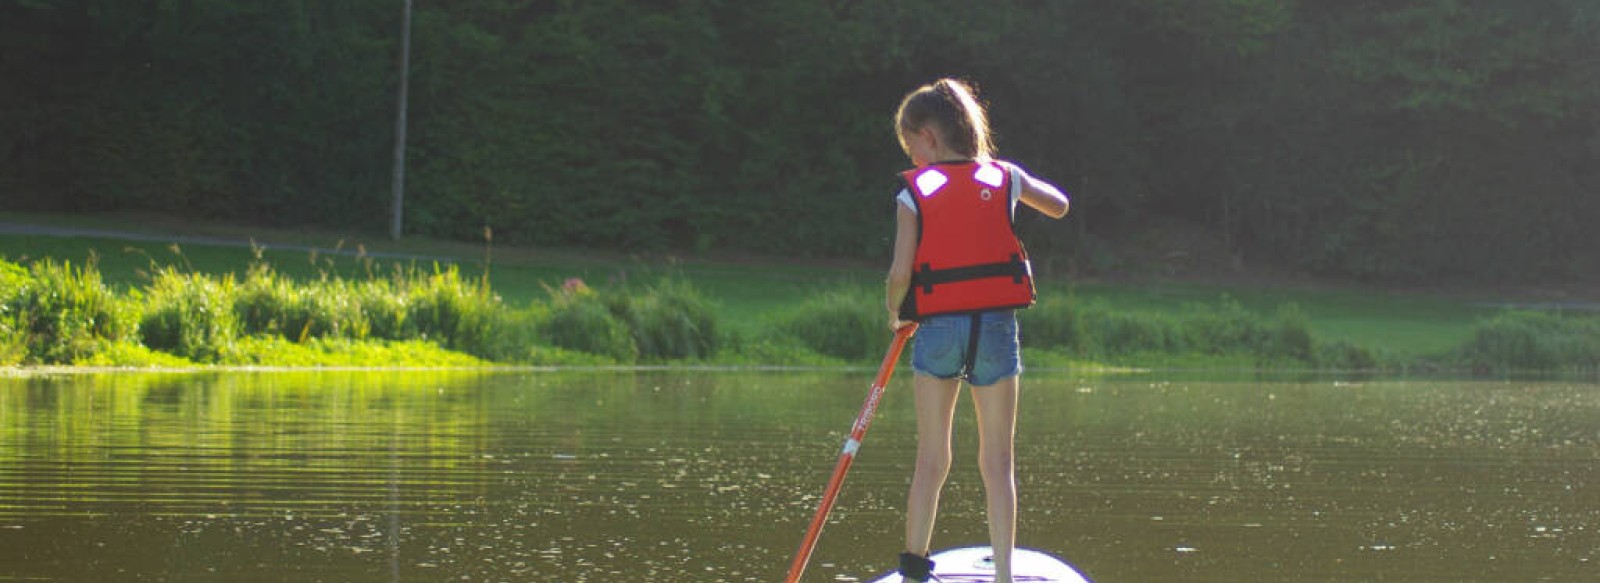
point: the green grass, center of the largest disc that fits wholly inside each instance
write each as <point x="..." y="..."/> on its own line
<point x="664" y="309"/>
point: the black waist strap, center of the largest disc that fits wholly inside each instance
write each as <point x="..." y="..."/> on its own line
<point x="927" y="277"/>
<point x="970" y="359"/>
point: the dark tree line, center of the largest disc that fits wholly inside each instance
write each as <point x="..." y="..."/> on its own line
<point x="1377" y="139"/>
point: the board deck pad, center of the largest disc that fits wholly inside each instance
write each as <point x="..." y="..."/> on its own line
<point x="976" y="565"/>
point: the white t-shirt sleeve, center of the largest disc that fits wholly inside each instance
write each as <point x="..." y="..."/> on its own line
<point x="904" y="199"/>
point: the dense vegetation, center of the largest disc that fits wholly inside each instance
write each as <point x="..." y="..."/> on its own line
<point x="1390" y="140"/>
<point x="57" y="313"/>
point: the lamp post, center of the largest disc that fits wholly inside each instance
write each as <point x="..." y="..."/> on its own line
<point x="399" y="184"/>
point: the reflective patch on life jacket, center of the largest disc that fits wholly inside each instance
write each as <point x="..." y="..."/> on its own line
<point x="929" y="181"/>
<point x="990" y="174"/>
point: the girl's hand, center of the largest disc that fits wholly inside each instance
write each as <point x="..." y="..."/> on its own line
<point x="895" y="323"/>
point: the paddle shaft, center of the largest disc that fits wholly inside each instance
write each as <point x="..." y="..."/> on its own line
<point x="848" y="454"/>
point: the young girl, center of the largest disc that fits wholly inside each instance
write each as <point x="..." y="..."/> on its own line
<point x="960" y="272"/>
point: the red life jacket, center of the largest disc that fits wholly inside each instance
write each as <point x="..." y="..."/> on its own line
<point x="968" y="256"/>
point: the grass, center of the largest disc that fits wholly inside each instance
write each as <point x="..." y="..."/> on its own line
<point x="661" y="310"/>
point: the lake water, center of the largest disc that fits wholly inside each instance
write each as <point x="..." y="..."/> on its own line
<point x="712" y="476"/>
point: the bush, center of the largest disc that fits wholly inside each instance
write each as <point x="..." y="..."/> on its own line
<point x="385" y="311"/>
<point x="268" y="303"/>
<point x="457" y="314"/>
<point x="582" y="322"/>
<point x="1224" y="328"/>
<point x="670" y="321"/>
<point x="13" y="344"/>
<point x="848" y="324"/>
<point x="63" y="313"/>
<point x="1055" y="322"/>
<point x="13" y="339"/>
<point x="190" y="315"/>
<point x="1290" y="336"/>
<point x="1345" y="355"/>
<point x="1526" y="340"/>
<point x="1125" y="333"/>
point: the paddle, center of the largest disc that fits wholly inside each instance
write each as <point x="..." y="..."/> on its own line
<point x="848" y="455"/>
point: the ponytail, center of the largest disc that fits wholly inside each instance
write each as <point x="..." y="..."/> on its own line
<point x="952" y="108"/>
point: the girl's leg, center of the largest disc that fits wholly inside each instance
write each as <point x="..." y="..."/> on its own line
<point x="936" y="406"/>
<point x="997" y="422"/>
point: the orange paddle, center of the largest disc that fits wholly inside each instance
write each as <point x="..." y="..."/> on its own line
<point x="848" y="455"/>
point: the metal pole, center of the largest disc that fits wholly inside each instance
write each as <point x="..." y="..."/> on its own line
<point x="399" y="183"/>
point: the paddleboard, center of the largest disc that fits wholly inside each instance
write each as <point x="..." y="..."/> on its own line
<point x="976" y="565"/>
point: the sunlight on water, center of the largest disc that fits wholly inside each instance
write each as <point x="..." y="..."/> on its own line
<point x="609" y="476"/>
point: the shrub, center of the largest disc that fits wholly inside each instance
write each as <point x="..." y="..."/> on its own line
<point x="268" y="303"/>
<point x="1345" y="355"/>
<point x="1224" y="328"/>
<point x="582" y="322"/>
<point x="13" y="339"/>
<point x="63" y="313"/>
<point x="671" y="320"/>
<point x="190" y="315"/>
<point x="847" y="323"/>
<point x="1527" y="340"/>
<point x="1124" y="333"/>
<point x="385" y="310"/>
<point x="457" y="314"/>
<point x="1055" y="322"/>
<point x="1290" y="336"/>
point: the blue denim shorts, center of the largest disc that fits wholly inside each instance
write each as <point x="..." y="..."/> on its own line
<point x="942" y="345"/>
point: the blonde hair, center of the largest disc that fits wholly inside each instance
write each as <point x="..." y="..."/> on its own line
<point x="951" y="107"/>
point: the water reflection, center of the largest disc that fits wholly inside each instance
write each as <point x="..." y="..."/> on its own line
<point x="607" y="476"/>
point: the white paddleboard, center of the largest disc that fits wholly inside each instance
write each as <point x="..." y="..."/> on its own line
<point x="976" y="565"/>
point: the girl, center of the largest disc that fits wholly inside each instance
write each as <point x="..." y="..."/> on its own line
<point x="960" y="272"/>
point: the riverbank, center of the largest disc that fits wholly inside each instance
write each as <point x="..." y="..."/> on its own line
<point x="311" y="300"/>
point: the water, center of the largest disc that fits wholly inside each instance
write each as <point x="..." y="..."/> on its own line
<point x="708" y="476"/>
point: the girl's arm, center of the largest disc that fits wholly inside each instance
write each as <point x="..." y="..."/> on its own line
<point x="905" y="251"/>
<point x="1042" y="196"/>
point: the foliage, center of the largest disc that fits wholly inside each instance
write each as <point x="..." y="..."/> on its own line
<point x="61" y="313"/>
<point x="267" y="303"/>
<point x="847" y="323"/>
<point x="582" y="322"/>
<point x="190" y="315"/>
<point x="671" y="320"/>
<point x="54" y="313"/>
<point x="1220" y="330"/>
<point x="333" y="351"/>
<point x="129" y="354"/>
<point x="1527" y="340"/>
<point x="1379" y="140"/>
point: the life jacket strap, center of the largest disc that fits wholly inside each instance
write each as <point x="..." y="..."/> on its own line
<point x="926" y="276"/>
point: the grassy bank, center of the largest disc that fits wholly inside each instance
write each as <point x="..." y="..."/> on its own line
<point x="434" y="316"/>
<point x="106" y="301"/>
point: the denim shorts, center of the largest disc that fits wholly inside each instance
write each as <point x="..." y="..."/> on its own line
<point x="942" y="344"/>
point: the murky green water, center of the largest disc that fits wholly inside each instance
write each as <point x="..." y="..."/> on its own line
<point x="702" y="476"/>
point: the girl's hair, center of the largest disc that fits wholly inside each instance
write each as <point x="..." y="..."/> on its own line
<point x="953" y="110"/>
